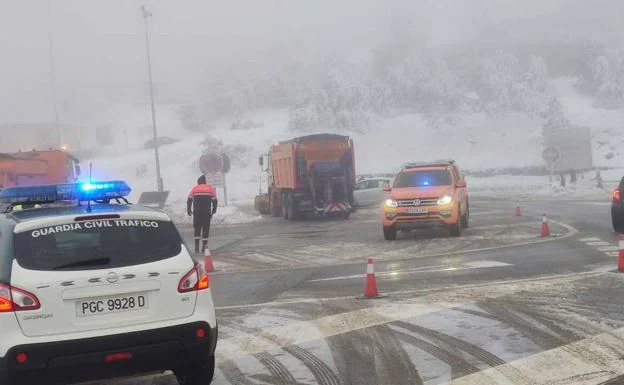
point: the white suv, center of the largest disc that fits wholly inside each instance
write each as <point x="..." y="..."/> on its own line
<point x="89" y="292"/>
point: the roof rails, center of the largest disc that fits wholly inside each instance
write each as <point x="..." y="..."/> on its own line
<point x="440" y="162"/>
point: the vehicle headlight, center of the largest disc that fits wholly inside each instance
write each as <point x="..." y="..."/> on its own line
<point x="391" y="203"/>
<point x="445" y="200"/>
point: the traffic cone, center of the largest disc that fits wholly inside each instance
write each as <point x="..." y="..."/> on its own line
<point x="518" y="211"/>
<point x="545" y="227"/>
<point x="208" y="265"/>
<point x="621" y="254"/>
<point x="370" y="289"/>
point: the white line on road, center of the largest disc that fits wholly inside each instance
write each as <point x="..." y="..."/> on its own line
<point x="416" y="270"/>
<point x="598" y="243"/>
<point x="608" y="248"/>
<point x="590" y="239"/>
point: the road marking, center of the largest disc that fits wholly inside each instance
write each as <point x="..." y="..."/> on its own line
<point x="608" y="248"/>
<point x="590" y="361"/>
<point x="598" y="243"/>
<point x="416" y="270"/>
<point x="613" y="253"/>
<point x="472" y="214"/>
<point x="590" y="239"/>
<point x="385" y="312"/>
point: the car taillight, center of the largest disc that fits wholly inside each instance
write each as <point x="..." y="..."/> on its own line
<point x="14" y="299"/>
<point x="616" y="195"/>
<point x="195" y="280"/>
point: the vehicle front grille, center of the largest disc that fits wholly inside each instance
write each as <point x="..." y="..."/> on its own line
<point x="417" y="202"/>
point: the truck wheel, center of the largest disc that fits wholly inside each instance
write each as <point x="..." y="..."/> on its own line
<point x="274" y="209"/>
<point x="466" y="217"/>
<point x="284" y="205"/>
<point x="293" y="211"/>
<point x="390" y="233"/>
<point x="456" y="228"/>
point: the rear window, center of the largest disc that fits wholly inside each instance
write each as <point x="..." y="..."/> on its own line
<point x="423" y="178"/>
<point x="100" y="244"/>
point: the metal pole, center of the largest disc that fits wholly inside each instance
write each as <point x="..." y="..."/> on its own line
<point x="59" y="139"/>
<point x="225" y="190"/>
<point x="159" y="181"/>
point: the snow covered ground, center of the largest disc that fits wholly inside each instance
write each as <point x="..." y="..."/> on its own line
<point x="477" y="142"/>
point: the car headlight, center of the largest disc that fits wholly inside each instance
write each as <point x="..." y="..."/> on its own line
<point x="445" y="200"/>
<point x="391" y="203"/>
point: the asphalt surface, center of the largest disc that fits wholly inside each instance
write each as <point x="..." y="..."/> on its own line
<point x="499" y="305"/>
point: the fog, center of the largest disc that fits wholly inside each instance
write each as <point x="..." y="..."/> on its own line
<point x="99" y="51"/>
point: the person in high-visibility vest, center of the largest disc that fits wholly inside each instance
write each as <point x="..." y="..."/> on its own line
<point x="202" y="205"/>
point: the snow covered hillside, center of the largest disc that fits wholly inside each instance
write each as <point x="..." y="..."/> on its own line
<point x="477" y="142"/>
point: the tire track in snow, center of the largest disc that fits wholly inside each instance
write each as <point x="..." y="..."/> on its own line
<point x="459" y="366"/>
<point x="323" y="374"/>
<point x="400" y="369"/>
<point x="233" y="374"/>
<point x="539" y="337"/>
<point x="474" y="350"/>
<point x="280" y="373"/>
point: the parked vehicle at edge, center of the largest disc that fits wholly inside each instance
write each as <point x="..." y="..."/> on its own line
<point x="370" y="191"/>
<point x="426" y="194"/>
<point x="311" y="174"/>
<point x="617" y="208"/>
<point x="98" y="290"/>
<point x="38" y="167"/>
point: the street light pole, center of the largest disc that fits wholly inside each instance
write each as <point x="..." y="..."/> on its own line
<point x="59" y="138"/>
<point x="159" y="181"/>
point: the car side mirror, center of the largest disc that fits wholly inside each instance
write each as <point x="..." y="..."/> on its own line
<point x="461" y="183"/>
<point x="387" y="187"/>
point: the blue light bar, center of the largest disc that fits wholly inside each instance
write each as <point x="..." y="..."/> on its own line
<point x="86" y="191"/>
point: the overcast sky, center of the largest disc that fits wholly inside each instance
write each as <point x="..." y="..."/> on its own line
<point x="99" y="46"/>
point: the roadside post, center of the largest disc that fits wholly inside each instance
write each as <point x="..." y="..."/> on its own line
<point x="551" y="156"/>
<point x="215" y="166"/>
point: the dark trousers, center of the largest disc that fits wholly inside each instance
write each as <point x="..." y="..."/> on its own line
<point x="201" y="225"/>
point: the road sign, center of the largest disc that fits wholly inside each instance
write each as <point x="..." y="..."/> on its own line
<point x="211" y="163"/>
<point x="217" y="180"/>
<point x="551" y="155"/>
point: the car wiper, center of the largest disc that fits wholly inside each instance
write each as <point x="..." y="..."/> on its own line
<point x="85" y="262"/>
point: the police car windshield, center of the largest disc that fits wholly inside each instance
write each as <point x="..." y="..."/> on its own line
<point x="423" y="178"/>
<point x="99" y="244"/>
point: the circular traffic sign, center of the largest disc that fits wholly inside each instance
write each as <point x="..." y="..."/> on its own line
<point x="211" y="163"/>
<point x="551" y="155"/>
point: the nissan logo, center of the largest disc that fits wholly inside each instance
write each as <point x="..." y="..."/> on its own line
<point x="112" y="278"/>
<point x="416" y="202"/>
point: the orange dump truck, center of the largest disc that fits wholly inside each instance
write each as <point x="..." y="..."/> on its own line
<point x="38" y="167"/>
<point x="311" y="174"/>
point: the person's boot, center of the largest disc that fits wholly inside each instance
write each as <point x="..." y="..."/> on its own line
<point x="197" y="246"/>
<point x="204" y="246"/>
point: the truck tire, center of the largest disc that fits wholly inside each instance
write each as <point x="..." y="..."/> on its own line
<point x="466" y="217"/>
<point x="284" y="205"/>
<point x="274" y="209"/>
<point x="390" y="233"/>
<point x="456" y="229"/>
<point x="293" y="210"/>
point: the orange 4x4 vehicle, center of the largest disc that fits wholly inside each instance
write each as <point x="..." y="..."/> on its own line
<point x="426" y="195"/>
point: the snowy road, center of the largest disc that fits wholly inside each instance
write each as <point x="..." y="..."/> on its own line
<point x="497" y="306"/>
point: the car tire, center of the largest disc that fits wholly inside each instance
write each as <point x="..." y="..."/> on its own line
<point x="200" y="374"/>
<point x="466" y="217"/>
<point x="456" y="228"/>
<point x="390" y="233"/>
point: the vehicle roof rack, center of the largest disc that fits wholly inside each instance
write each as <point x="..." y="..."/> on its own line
<point x="440" y="162"/>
